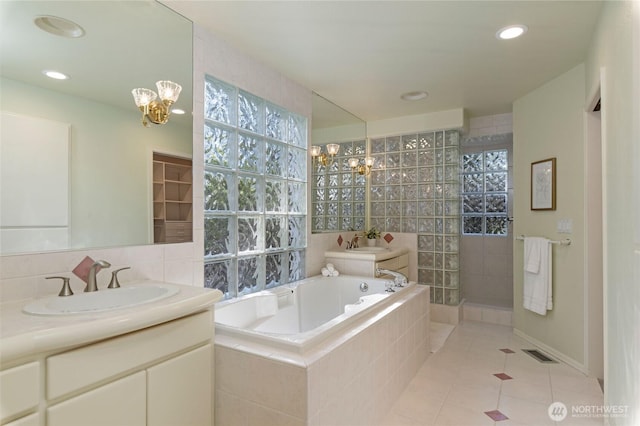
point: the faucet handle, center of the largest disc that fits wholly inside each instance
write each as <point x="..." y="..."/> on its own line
<point x="66" y="288"/>
<point x="114" y="283"/>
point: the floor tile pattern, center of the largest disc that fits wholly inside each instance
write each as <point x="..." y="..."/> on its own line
<point x="496" y="415"/>
<point x="503" y="376"/>
<point x="458" y="385"/>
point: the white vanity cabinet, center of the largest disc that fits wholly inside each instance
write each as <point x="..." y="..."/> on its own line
<point x="169" y="402"/>
<point x="160" y="375"/>
<point x="31" y="420"/>
<point x="20" y="393"/>
<point x="122" y="402"/>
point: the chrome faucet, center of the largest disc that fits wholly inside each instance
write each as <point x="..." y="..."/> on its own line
<point x="400" y="280"/>
<point x="353" y="243"/>
<point x="93" y="271"/>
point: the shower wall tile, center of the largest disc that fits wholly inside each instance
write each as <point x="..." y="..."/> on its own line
<point x="471" y="257"/>
<point x="496" y="265"/>
<point x="490" y="125"/>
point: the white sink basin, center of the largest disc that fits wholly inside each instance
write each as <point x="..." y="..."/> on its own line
<point x="368" y="249"/>
<point x="102" y="300"/>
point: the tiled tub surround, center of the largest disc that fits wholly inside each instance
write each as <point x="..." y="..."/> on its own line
<point x="351" y="377"/>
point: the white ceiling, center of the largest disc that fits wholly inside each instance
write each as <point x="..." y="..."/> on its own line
<point x="363" y="54"/>
<point x="123" y="48"/>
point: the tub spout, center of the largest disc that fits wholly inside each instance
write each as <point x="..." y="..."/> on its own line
<point x="400" y="280"/>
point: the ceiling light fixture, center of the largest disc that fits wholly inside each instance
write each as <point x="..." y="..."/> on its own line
<point x="56" y="75"/>
<point x="156" y="111"/>
<point x="58" y="26"/>
<point x="512" y="31"/>
<point x="325" y="157"/>
<point x="414" y="96"/>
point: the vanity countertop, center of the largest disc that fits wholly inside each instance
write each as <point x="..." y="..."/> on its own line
<point x="377" y="255"/>
<point x="23" y="335"/>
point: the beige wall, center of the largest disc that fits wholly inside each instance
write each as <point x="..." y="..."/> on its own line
<point x="548" y="122"/>
<point x="614" y="59"/>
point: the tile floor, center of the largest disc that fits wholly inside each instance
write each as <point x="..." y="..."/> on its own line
<point x="470" y="381"/>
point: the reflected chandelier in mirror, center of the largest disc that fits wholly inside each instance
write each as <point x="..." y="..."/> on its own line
<point x="338" y="189"/>
<point x="103" y="185"/>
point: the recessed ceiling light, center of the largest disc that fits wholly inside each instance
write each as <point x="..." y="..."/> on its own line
<point x="59" y="26"/>
<point x="177" y="111"/>
<point x="512" y="31"/>
<point x="414" y="96"/>
<point x="56" y="75"/>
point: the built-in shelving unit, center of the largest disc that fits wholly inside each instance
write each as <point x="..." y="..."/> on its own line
<point x="172" y="199"/>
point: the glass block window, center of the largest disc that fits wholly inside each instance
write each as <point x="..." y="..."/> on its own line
<point x="484" y="193"/>
<point x="338" y="193"/>
<point x="255" y="191"/>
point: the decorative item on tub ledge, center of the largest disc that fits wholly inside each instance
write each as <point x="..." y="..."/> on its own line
<point x="156" y="111"/>
<point x="372" y="236"/>
<point x="329" y="271"/>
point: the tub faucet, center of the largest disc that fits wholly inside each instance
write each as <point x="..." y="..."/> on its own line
<point x="400" y="280"/>
<point x="353" y="243"/>
<point x="93" y="271"/>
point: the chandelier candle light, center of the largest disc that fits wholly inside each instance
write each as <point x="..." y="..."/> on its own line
<point x="325" y="157"/>
<point x="362" y="169"/>
<point x="156" y="111"/>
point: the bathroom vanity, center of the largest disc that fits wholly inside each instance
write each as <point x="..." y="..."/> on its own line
<point x="364" y="261"/>
<point x="151" y="364"/>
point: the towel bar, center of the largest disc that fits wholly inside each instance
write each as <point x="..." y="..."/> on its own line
<point x="565" y="242"/>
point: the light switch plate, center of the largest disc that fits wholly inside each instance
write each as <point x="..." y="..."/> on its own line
<point x="565" y="226"/>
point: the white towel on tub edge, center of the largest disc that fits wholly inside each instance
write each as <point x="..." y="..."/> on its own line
<point x="538" y="287"/>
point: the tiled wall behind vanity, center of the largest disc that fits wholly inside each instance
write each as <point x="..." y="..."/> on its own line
<point x="23" y="276"/>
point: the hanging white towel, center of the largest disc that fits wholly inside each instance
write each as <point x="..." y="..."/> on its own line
<point x="538" y="286"/>
<point x="532" y="251"/>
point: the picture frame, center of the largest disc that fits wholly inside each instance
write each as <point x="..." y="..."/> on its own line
<point x="543" y="184"/>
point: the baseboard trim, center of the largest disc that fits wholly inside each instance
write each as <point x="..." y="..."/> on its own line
<point x="548" y="349"/>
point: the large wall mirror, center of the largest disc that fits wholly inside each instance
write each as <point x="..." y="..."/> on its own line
<point x="338" y="191"/>
<point x="102" y="173"/>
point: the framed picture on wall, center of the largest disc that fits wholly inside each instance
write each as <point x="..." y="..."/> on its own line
<point x="543" y="185"/>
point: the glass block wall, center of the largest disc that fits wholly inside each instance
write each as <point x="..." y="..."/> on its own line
<point x="415" y="188"/>
<point x="338" y="193"/>
<point x="255" y="191"/>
